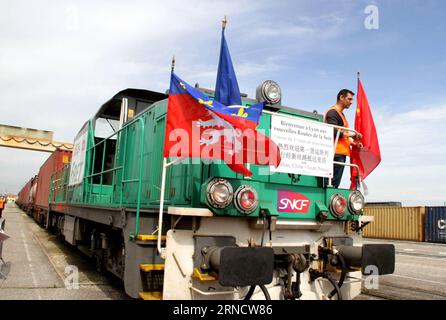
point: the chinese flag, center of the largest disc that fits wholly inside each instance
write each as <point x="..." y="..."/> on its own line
<point x="369" y="157"/>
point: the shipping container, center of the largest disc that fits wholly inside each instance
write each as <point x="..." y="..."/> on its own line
<point x="22" y="194"/>
<point x="399" y="223"/>
<point x="435" y="223"/>
<point x="57" y="160"/>
<point x="383" y="204"/>
<point x="26" y="196"/>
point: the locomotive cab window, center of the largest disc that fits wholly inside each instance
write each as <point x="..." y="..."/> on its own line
<point x="111" y="117"/>
<point x="107" y="122"/>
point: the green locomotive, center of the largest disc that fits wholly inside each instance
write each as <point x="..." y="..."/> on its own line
<point x="277" y="235"/>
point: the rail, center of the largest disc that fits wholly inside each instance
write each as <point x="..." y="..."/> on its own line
<point x="88" y="179"/>
<point x="59" y="180"/>
<point x="161" y="250"/>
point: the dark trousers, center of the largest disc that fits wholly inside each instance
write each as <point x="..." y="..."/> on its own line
<point x="337" y="171"/>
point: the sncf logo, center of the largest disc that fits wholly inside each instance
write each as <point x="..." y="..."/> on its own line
<point x="293" y="202"/>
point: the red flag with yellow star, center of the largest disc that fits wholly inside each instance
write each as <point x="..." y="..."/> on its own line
<point x="369" y="156"/>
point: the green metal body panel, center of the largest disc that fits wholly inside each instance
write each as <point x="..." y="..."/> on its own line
<point x="137" y="169"/>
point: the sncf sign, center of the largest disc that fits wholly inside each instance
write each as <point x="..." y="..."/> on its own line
<point x="292" y="202"/>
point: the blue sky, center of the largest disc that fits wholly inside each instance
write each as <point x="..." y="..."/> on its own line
<point x="60" y="60"/>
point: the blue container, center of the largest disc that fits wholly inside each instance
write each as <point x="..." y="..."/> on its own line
<point x="435" y="224"/>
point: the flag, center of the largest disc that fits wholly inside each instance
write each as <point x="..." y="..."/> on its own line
<point x="227" y="90"/>
<point x="370" y="156"/>
<point x="200" y="127"/>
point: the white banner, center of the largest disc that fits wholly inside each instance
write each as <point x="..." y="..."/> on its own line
<point x="306" y="147"/>
<point x="78" y="158"/>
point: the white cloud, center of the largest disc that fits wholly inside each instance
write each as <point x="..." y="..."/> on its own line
<point x="60" y="60"/>
<point x="413" y="152"/>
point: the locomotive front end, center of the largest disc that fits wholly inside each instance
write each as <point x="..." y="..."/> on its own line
<point x="278" y="234"/>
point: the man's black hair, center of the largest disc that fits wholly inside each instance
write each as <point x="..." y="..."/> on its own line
<point x="343" y="93"/>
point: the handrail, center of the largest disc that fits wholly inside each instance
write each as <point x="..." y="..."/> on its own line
<point x="89" y="177"/>
<point x="130" y="180"/>
<point x="162" y="251"/>
<point x="105" y="171"/>
<point x="102" y="166"/>
<point x="116" y="132"/>
<point x="138" y="207"/>
<point x="350" y="165"/>
<point x="91" y="170"/>
<point x="123" y="167"/>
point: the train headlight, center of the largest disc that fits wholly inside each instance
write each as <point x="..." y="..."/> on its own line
<point x="246" y="199"/>
<point x="356" y="202"/>
<point x="219" y="193"/>
<point x="338" y="205"/>
<point x="269" y="91"/>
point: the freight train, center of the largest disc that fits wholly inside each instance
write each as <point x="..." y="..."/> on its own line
<point x="221" y="235"/>
<point x="34" y="196"/>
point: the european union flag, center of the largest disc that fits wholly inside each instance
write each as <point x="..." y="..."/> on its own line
<point x="227" y="91"/>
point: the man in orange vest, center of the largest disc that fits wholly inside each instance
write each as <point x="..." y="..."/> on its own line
<point x="347" y="139"/>
<point x="2" y="205"/>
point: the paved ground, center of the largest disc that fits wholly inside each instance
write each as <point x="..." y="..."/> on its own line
<point x="38" y="265"/>
<point x="420" y="273"/>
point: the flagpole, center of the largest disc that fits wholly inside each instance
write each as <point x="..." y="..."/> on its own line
<point x="160" y="215"/>
<point x="224" y="22"/>
<point x="162" y="251"/>
<point x="358" y="177"/>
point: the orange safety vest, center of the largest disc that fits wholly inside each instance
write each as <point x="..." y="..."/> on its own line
<point x="2" y="203"/>
<point x="343" y="146"/>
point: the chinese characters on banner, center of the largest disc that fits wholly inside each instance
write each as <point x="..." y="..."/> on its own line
<point x="306" y="147"/>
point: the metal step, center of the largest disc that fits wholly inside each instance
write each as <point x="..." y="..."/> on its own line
<point x="149" y="237"/>
<point x="155" y="295"/>
<point x="149" y="267"/>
